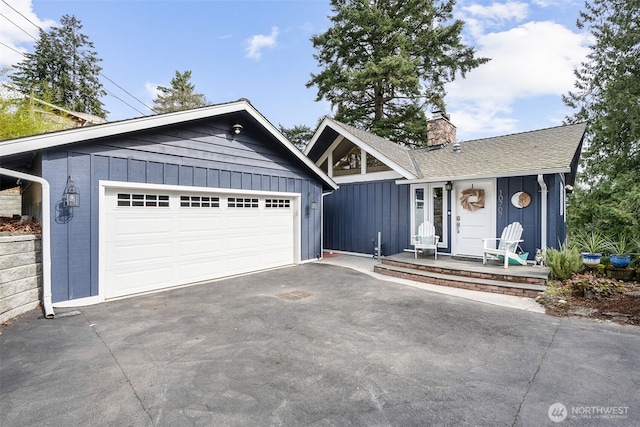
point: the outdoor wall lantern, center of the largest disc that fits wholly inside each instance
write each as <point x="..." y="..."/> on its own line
<point x="448" y="186"/>
<point x="236" y="129"/>
<point x="314" y="204"/>
<point x="71" y="195"/>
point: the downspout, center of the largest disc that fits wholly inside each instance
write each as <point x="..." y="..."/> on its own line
<point x="46" y="236"/>
<point x="322" y="224"/>
<point x="543" y="212"/>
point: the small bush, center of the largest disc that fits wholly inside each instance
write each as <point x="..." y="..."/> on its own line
<point x="564" y="262"/>
<point x="593" y="287"/>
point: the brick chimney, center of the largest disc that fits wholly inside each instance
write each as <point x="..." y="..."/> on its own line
<point x="440" y="130"/>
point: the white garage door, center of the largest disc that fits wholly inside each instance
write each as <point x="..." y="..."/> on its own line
<point x="158" y="239"/>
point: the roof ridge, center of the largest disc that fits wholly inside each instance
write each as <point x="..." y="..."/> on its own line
<point x="525" y="132"/>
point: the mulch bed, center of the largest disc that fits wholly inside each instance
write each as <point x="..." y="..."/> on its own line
<point x="19" y="226"/>
<point x="623" y="308"/>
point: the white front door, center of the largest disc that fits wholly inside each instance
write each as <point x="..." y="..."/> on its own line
<point x="473" y="215"/>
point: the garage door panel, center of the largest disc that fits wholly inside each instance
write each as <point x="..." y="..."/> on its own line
<point x="159" y="247"/>
<point x="142" y="253"/>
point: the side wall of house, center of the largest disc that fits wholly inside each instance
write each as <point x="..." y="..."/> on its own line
<point x="201" y="154"/>
<point x="356" y="212"/>
<point x="531" y="216"/>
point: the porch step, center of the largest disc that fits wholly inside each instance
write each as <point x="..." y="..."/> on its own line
<point x="466" y="278"/>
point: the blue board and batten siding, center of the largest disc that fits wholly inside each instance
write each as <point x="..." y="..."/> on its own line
<point x="198" y="154"/>
<point x="531" y="216"/>
<point x="356" y="212"/>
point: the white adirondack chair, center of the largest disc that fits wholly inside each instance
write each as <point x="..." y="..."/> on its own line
<point x="426" y="239"/>
<point x="508" y="243"/>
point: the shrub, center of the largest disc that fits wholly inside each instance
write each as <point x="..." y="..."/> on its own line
<point x="593" y="287"/>
<point x="564" y="262"/>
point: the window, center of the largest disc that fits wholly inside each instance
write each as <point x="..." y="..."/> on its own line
<point x="142" y="200"/>
<point x="199" y="202"/>
<point x="240" y="202"/>
<point x="277" y="203"/>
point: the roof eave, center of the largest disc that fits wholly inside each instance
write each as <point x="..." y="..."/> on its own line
<point x="552" y="171"/>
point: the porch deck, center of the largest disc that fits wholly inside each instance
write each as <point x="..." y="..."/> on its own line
<point x="519" y="280"/>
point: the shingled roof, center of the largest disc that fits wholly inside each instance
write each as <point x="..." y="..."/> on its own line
<point x="544" y="151"/>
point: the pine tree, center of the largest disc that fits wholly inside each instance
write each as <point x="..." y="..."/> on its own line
<point x="607" y="96"/>
<point x="180" y="96"/>
<point x="385" y="61"/>
<point x="63" y="69"/>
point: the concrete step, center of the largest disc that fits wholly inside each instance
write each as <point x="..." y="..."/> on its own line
<point x="529" y="290"/>
<point x="475" y="270"/>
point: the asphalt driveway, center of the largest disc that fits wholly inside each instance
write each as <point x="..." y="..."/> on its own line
<point x="356" y="351"/>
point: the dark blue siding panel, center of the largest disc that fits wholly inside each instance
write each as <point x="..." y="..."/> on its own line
<point x="155" y="173"/>
<point x="137" y="171"/>
<point x="163" y="158"/>
<point x="355" y="213"/>
<point x="200" y="177"/>
<point x="530" y="217"/>
<point x="171" y="174"/>
<point x="186" y="175"/>
<point x="118" y="169"/>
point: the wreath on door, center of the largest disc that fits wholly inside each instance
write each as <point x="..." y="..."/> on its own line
<point x="472" y="199"/>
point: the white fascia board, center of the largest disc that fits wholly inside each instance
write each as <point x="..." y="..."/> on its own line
<point x="375" y="176"/>
<point x="316" y="135"/>
<point x="54" y="139"/>
<point x="299" y="154"/>
<point x="363" y="146"/>
<point x="484" y="176"/>
<point x="189" y="189"/>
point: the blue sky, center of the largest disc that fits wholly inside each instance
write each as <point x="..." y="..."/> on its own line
<point x="261" y="50"/>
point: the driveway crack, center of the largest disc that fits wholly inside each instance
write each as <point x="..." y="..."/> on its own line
<point x="535" y="374"/>
<point x="124" y="374"/>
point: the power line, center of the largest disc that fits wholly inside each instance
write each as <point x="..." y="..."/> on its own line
<point x="100" y="73"/>
<point x="19" y="27"/>
<point x="18" y="12"/>
<point x="9" y="47"/>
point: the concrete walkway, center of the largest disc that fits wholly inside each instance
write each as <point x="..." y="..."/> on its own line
<point x="315" y="345"/>
<point x="365" y="264"/>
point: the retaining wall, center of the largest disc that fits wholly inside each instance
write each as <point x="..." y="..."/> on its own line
<point x="20" y="275"/>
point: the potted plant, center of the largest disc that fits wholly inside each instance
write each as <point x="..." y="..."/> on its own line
<point x="620" y="257"/>
<point x="591" y="246"/>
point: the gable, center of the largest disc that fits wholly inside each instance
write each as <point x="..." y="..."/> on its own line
<point x="196" y="134"/>
<point x="335" y="140"/>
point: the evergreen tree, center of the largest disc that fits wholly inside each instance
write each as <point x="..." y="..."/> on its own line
<point x="64" y="69"/>
<point x="180" y="96"/>
<point x="384" y="61"/>
<point x="607" y="96"/>
<point x="299" y="135"/>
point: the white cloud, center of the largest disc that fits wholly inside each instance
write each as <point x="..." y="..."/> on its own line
<point x="478" y="17"/>
<point x="151" y="90"/>
<point x="529" y="61"/>
<point x="259" y="42"/>
<point x="17" y="32"/>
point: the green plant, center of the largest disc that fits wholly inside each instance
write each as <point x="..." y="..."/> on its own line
<point x="593" y="287"/>
<point x="622" y="246"/>
<point x="564" y="262"/>
<point x="592" y="243"/>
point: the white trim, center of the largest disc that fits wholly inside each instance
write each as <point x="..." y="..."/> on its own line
<point x="79" y="302"/>
<point x="102" y="189"/>
<point x="484" y="176"/>
<point x="543" y="211"/>
<point x="345" y="134"/>
<point x="46" y="235"/>
<point x="53" y="139"/>
<point x="374" y="176"/>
